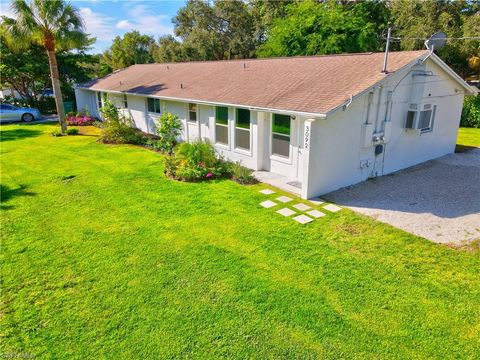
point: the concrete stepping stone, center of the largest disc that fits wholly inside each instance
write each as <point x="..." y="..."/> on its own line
<point x="268" y="204"/>
<point x="284" y="199"/>
<point x="316" y="201"/>
<point x="267" y="191"/>
<point x="302" y="219"/>
<point x="302" y="207"/>
<point x="332" y="208"/>
<point x="315" y="213"/>
<point x="286" y="212"/>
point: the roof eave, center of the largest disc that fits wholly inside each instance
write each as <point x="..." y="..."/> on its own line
<point x="312" y="115"/>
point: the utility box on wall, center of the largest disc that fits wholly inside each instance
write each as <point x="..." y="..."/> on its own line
<point x="367" y="133"/>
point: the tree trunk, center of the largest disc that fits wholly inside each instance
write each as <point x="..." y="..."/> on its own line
<point x="57" y="92"/>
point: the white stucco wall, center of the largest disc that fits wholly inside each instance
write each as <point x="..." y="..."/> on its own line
<point x="341" y="151"/>
<point x="86" y="100"/>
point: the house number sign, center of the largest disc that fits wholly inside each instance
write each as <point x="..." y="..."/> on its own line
<point x="306" y="142"/>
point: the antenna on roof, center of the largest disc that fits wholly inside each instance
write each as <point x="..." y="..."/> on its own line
<point x="385" y="58"/>
<point x="435" y="42"/>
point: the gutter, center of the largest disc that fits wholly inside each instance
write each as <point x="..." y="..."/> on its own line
<point x="255" y="108"/>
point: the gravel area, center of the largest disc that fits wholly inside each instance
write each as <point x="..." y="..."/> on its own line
<point x="438" y="200"/>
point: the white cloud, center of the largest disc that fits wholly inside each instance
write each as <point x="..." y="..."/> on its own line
<point x="96" y="24"/>
<point x="143" y="19"/>
<point x="124" y="24"/>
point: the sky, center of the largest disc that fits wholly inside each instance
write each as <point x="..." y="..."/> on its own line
<point x="105" y="19"/>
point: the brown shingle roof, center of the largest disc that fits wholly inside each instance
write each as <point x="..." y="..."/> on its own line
<point x="314" y="84"/>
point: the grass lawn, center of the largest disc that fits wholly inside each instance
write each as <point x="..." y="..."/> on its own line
<point x="468" y="137"/>
<point x="103" y="257"/>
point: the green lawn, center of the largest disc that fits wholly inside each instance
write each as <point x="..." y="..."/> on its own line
<point x="468" y="137"/>
<point x="103" y="257"/>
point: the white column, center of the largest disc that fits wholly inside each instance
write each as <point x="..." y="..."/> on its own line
<point x="307" y="145"/>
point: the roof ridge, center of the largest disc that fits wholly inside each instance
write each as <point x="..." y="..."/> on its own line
<point x="277" y="58"/>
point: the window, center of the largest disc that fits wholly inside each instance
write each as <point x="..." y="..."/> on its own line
<point x="153" y="105"/>
<point x="426" y="117"/>
<point x="99" y="100"/>
<point x="242" y="129"/>
<point x="7" y="107"/>
<point x="410" y="124"/>
<point x="125" y="102"/>
<point x="221" y="125"/>
<point x="192" y="112"/>
<point x="281" y="135"/>
<point x="421" y="119"/>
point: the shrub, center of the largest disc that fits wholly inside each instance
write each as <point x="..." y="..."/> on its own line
<point x="194" y="162"/>
<point x="241" y="174"/>
<point x="471" y="112"/>
<point x="168" y="128"/>
<point x="72" y="131"/>
<point x="116" y="128"/>
<point x="56" y="133"/>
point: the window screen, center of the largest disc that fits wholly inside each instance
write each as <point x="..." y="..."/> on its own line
<point x="424" y="120"/>
<point x="281" y="135"/>
<point x="410" y="123"/>
<point x="125" y="102"/>
<point x="221" y="125"/>
<point x="153" y="105"/>
<point x="192" y="112"/>
<point x="242" y="129"/>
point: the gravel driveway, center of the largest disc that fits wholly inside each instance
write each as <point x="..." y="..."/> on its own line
<point x="438" y="200"/>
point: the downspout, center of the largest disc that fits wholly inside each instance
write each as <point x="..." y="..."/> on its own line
<point x="377" y="112"/>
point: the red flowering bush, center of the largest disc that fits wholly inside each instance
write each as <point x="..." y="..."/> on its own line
<point x="79" y="119"/>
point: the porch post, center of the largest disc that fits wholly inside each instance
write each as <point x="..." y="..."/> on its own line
<point x="307" y="145"/>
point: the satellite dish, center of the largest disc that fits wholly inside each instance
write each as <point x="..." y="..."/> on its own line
<point x="436" y="41"/>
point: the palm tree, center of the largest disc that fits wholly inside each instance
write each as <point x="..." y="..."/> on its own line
<point x="53" y="24"/>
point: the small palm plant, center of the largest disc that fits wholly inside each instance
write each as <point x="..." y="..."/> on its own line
<point x="53" y="24"/>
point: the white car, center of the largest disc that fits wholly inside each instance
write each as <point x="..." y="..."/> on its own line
<point x="10" y="113"/>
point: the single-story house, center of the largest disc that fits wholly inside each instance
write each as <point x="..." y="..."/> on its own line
<point x="313" y="123"/>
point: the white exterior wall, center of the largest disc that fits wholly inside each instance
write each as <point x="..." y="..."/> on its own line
<point x="86" y="99"/>
<point x="341" y="151"/>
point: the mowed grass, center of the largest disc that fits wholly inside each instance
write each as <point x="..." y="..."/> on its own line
<point x="468" y="137"/>
<point x="103" y="257"/>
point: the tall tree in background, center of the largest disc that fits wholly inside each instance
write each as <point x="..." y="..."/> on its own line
<point x="313" y="28"/>
<point x="132" y="48"/>
<point x="416" y="20"/>
<point x="52" y="24"/>
<point x="223" y="30"/>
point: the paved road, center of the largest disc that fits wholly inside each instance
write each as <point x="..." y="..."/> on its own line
<point x="438" y="200"/>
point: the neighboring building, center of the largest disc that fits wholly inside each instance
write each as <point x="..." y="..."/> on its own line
<point x="310" y="124"/>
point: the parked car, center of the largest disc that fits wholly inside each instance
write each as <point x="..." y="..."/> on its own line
<point x="13" y="113"/>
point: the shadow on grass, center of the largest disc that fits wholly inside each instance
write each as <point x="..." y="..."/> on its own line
<point x="7" y="193"/>
<point x="17" y="134"/>
<point x="464" y="148"/>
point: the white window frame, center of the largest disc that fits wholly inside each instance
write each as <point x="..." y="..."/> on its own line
<point x="196" y="113"/>
<point x="278" y="157"/>
<point x="99" y="100"/>
<point x="159" y="106"/>
<point x="417" y="109"/>
<point x="221" y="144"/>
<point x="237" y="149"/>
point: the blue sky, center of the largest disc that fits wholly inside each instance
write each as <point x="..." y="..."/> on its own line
<point x="105" y="19"/>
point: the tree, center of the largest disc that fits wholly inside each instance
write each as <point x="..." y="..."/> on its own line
<point x="312" y="28"/>
<point x="416" y="20"/>
<point x="223" y="30"/>
<point x="52" y="24"/>
<point x="132" y="48"/>
<point x="169" y="49"/>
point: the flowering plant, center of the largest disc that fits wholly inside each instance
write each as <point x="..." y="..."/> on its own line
<point x="79" y="119"/>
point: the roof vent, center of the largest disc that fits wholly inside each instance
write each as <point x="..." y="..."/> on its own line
<point x="181" y="85"/>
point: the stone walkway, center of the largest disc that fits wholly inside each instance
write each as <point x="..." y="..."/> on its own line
<point x="299" y="210"/>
